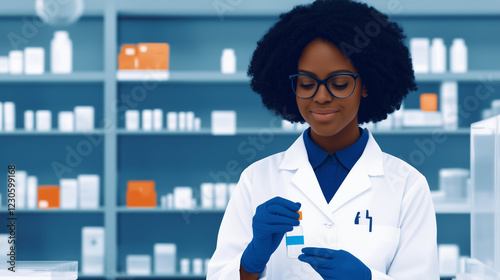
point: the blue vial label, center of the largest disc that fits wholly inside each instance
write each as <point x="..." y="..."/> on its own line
<point x="295" y="240"/>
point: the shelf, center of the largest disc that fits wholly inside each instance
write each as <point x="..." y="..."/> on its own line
<point x="62" y="211"/>
<point x="27" y="8"/>
<point x="253" y="131"/>
<point x="154" y="276"/>
<point x="22" y="132"/>
<point x="471" y="76"/>
<point x="77" y="77"/>
<point x="276" y="7"/>
<point x="447" y="207"/>
<point x="181" y="77"/>
<point x="124" y="209"/>
<point x="85" y="276"/>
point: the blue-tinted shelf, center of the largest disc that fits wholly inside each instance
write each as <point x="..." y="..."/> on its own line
<point x="252" y="131"/>
<point x="471" y="76"/>
<point x="185" y="77"/>
<point x="58" y="210"/>
<point x="77" y="77"/>
<point x="85" y="276"/>
<point x="154" y="276"/>
<point x="27" y="8"/>
<point x="22" y="132"/>
<point x="274" y="8"/>
<point x="124" y="209"/>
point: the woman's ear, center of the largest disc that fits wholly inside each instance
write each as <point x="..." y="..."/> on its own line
<point x="363" y="92"/>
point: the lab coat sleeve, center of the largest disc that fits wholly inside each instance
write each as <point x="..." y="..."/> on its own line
<point x="416" y="256"/>
<point x="235" y="233"/>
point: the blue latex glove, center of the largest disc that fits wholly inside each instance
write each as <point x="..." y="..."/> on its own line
<point x="335" y="264"/>
<point x="271" y="221"/>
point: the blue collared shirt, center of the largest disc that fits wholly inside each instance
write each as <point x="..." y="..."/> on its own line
<point x="331" y="169"/>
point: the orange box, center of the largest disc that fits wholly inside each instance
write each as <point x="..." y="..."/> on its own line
<point x="141" y="194"/>
<point x="48" y="197"/>
<point x="429" y="102"/>
<point x="300" y="215"/>
<point x="127" y="59"/>
<point x="153" y="56"/>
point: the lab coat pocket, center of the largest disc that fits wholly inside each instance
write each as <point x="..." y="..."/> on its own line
<point x="376" y="249"/>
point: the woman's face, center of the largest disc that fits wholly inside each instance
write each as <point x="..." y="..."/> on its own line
<point x="328" y="115"/>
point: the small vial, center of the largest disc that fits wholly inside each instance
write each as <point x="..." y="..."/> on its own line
<point x="295" y="240"/>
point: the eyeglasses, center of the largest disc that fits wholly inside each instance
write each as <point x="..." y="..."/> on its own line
<point x="340" y="85"/>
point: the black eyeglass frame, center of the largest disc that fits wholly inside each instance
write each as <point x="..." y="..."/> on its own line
<point x="324" y="82"/>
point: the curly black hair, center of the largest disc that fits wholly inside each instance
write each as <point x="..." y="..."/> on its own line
<point x="374" y="45"/>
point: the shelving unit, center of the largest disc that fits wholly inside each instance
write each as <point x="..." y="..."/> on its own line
<point x="195" y="83"/>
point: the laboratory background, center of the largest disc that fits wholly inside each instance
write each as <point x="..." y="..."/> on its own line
<point x="127" y="123"/>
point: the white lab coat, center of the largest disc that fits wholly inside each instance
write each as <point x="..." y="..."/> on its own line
<point x="401" y="246"/>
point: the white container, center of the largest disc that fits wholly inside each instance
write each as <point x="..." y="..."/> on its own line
<point x="197" y="266"/>
<point x="220" y="195"/>
<point x="453" y="181"/>
<point x="4" y="64"/>
<point x="185" y="266"/>
<point x="438" y="56"/>
<point x="138" y="265"/>
<point x="495" y="107"/>
<point x="387" y="124"/>
<point x="43" y="120"/>
<point x="132" y="120"/>
<point x="170" y="201"/>
<point x="93" y="250"/>
<point x="207" y="195"/>
<point x="157" y="119"/>
<point x="190" y="121"/>
<point x="223" y="122"/>
<point x="207" y="261"/>
<point x="84" y="118"/>
<point x="287" y="125"/>
<point x="183" y="198"/>
<point x="172" y="121"/>
<point x="21" y="189"/>
<point x="458" y="56"/>
<point x="69" y="193"/>
<point x="399" y="117"/>
<point x="32" y="192"/>
<point x="294" y="242"/>
<point x="29" y="120"/>
<point x="165" y="258"/>
<point x="419" y="118"/>
<point x="61" y="53"/>
<point x="9" y="116"/>
<point x="228" y="61"/>
<point x="197" y="124"/>
<point x="147" y="120"/>
<point x="449" y="104"/>
<point x="88" y="191"/>
<point x="448" y="259"/>
<point x="419" y="48"/>
<point x="182" y="121"/>
<point x="16" y="62"/>
<point x="34" y="61"/>
<point x="66" y="121"/>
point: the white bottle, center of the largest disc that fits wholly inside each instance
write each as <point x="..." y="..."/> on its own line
<point x="438" y="56"/>
<point x="228" y="61"/>
<point x="295" y="240"/>
<point x="61" y="53"/>
<point x="16" y="62"/>
<point x="419" y="48"/>
<point x="458" y="54"/>
<point x="449" y="104"/>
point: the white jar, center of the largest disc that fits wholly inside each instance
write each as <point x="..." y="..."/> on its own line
<point x="228" y="61"/>
<point x="61" y="53"/>
<point x="458" y="54"/>
<point x="438" y="56"/>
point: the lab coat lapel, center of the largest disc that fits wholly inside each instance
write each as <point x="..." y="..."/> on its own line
<point x="358" y="180"/>
<point x="304" y="178"/>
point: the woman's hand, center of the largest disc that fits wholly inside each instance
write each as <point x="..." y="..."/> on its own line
<point x="271" y="221"/>
<point x="335" y="264"/>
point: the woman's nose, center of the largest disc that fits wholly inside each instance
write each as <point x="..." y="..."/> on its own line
<point x="323" y="96"/>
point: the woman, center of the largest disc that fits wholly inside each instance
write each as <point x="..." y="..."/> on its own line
<point x="366" y="214"/>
